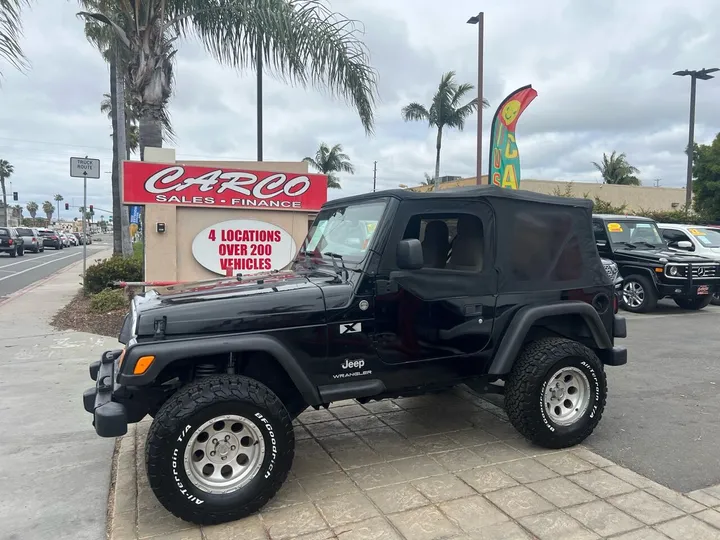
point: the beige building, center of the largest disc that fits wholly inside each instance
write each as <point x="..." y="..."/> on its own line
<point x="637" y="198"/>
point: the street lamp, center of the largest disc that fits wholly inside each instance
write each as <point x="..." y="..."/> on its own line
<point x="704" y="75"/>
<point x="479" y="19"/>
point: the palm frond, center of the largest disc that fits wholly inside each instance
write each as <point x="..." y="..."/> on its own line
<point x="11" y="32"/>
<point x="415" y="111"/>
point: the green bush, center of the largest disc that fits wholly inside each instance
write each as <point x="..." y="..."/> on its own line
<point x="108" y="300"/>
<point x="116" y="268"/>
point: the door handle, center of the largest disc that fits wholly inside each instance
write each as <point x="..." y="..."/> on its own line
<point x="473" y="309"/>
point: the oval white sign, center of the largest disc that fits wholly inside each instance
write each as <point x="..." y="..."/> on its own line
<point x="243" y="246"/>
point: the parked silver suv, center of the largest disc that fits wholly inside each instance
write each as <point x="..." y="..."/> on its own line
<point x="33" y="240"/>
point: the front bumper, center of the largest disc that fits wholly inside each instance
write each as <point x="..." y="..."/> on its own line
<point x="687" y="288"/>
<point x="109" y="417"/>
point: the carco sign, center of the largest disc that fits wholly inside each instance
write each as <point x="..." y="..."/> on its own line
<point x="243" y="246"/>
<point x="159" y="183"/>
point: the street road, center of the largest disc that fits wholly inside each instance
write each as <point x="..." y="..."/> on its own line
<point x="20" y="272"/>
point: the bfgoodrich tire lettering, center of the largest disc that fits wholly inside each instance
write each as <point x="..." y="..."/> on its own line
<point x="192" y="407"/>
<point x="525" y="391"/>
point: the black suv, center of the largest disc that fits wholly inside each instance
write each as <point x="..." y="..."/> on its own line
<point x="650" y="270"/>
<point x="392" y="294"/>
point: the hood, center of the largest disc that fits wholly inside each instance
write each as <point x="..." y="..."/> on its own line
<point x="654" y="255"/>
<point x="262" y="301"/>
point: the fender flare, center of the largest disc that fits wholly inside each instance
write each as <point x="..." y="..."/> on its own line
<point x="168" y="351"/>
<point x="630" y="269"/>
<point x="524" y="319"/>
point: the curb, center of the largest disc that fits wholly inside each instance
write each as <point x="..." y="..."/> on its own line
<point x="42" y="281"/>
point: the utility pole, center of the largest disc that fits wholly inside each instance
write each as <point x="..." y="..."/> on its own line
<point x="704" y="75"/>
<point x="479" y="19"/>
<point x="374" y="175"/>
<point x="259" y="86"/>
<point x="657" y="182"/>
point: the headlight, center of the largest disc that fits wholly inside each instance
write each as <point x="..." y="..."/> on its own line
<point x="673" y="271"/>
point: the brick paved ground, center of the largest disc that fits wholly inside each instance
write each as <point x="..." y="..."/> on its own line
<point x="447" y="466"/>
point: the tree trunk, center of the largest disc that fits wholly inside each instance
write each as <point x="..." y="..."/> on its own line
<point x="150" y="131"/>
<point x="4" y="200"/>
<point x="436" y="182"/>
<point x="126" y="243"/>
<point x="117" y="225"/>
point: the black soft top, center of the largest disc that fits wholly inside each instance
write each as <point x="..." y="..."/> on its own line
<point x="474" y="192"/>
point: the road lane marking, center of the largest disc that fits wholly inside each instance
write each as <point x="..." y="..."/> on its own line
<point x="38" y="266"/>
<point x="26" y="260"/>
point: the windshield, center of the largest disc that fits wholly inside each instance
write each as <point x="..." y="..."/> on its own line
<point x="635" y="233"/>
<point x="345" y="231"/>
<point x="709" y="238"/>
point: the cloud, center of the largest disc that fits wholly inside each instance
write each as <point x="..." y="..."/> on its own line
<point x="603" y="72"/>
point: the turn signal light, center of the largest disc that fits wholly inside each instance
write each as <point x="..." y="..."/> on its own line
<point x="659" y="270"/>
<point x="143" y="364"/>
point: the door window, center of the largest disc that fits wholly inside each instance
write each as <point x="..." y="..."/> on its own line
<point x="672" y="237"/>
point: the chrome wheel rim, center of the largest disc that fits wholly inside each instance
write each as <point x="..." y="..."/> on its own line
<point x="567" y="396"/>
<point x="224" y="454"/>
<point x="633" y="294"/>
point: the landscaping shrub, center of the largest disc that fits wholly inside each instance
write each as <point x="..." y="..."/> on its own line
<point x="116" y="268"/>
<point x="108" y="300"/>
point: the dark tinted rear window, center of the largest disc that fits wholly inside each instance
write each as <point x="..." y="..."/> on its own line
<point x="23" y="231"/>
<point x="4" y="232"/>
<point x="46" y="233"/>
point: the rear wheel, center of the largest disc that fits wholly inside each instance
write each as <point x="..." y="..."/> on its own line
<point x="556" y="392"/>
<point x="693" y="303"/>
<point x="14" y="253"/>
<point x="219" y="449"/>
<point x="638" y="294"/>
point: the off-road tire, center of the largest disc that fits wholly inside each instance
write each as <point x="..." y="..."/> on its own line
<point x="183" y="414"/>
<point x="14" y="253"/>
<point x="715" y="299"/>
<point x="525" y="388"/>
<point x="693" y="303"/>
<point x="651" y="295"/>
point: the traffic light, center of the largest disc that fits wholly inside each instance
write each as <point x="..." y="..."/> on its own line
<point x="67" y="206"/>
<point x="91" y="208"/>
<point x="15" y="196"/>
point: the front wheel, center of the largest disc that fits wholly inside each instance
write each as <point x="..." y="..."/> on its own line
<point x="715" y="299"/>
<point x="219" y="449"/>
<point x="693" y="303"/>
<point x="556" y="392"/>
<point x="638" y="294"/>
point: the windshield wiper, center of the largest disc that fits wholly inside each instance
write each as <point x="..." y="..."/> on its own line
<point x="334" y="256"/>
<point x="653" y="246"/>
<point x="629" y="244"/>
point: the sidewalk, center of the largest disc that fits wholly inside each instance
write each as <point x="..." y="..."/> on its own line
<point x="54" y="470"/>
<point x="437" y="467"/>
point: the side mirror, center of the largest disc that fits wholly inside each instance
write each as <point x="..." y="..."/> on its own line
<point x="409" y="254"/>
<point x="685" y="244"/>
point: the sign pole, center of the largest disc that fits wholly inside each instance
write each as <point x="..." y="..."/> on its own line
<point x="84" y="225"/>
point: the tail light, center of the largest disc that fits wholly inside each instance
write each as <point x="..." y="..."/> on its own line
<point x="615" y="303"/>
<point x="10" y="242"/>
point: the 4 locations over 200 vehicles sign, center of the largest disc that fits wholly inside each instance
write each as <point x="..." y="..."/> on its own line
<point x="158" y="183"/>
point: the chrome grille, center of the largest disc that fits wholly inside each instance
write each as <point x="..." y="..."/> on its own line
<point x="704" y="270"/>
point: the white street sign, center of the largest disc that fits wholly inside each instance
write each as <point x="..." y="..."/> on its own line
<point x="84" y="167"/>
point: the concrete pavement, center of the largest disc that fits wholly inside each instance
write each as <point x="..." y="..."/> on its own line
<point x="54" y="470"/>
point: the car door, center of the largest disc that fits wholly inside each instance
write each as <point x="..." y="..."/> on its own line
<point x="445" y="309"/>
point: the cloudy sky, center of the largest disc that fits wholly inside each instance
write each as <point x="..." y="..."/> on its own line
<point x="603" y="71"/>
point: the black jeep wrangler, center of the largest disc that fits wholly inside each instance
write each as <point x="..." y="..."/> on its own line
<point x="651" y="270"/>
<point x="392" y="294"/>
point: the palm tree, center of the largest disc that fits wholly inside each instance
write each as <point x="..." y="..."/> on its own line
<point x="445" y="111"/>
<point x="132" y="133"/>
<point x="32" y="208"/>
<point x="428" y="180"/>
<point x="6" y="171"/>
<point x="17" y="211"/>
<point x="58" y="199"/>
<point x="10" y="33"/>
<point x="615" y="169"/>
<point x="49" y="209"/>
<point x="301" y="41"/>
<point x="329" y="161"/>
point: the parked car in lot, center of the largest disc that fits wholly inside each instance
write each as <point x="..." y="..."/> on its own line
<point x="697" y="239"/>
<point x="51" y="239"/>
<point x="516" y="294"/>
<point x="650" y="269"/>
<point x="31" y="238"/>
<point x="11" y="242"/>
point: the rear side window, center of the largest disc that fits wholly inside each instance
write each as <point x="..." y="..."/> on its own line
<point x="4" y="231"/>
<point x="22" y="231"/>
